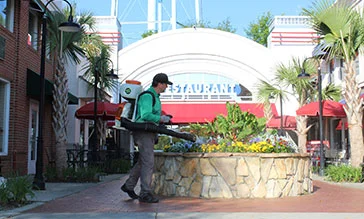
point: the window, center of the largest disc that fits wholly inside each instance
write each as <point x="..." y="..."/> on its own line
<point x="33" y="28"/>
<point x="4" y="115"/>
<point x="7" y="14"/>
<point x="34" y="23"/>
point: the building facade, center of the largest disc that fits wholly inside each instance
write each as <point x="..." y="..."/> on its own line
<point x="20" y="31"/>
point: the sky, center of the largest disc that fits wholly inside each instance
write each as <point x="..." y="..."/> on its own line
<point x="240" y="12"/>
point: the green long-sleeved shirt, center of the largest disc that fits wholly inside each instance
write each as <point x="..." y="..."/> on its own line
<point x="146" y="112"/>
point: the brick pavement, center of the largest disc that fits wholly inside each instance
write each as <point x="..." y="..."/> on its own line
<point x="108" y="198"/>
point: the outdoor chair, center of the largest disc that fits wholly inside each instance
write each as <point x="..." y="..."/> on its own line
<point x="76" y="158"/>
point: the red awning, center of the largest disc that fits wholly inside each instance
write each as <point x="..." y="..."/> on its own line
<point x="105" y="110"/>
<point x="289" y="122"/>
<point x="185" y="113"/>
<point x="329" y="109"/>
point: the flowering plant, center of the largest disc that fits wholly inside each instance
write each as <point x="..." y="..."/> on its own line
<point x="261" y="144"/>
<point x="238" y="132"/>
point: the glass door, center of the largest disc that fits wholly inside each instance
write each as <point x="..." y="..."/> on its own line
<point x="33" y="134"/>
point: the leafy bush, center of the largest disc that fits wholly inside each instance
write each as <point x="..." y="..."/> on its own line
<point x="87" y="174"/>
<point x="84" y="174"/>
<point x="16" y="190"/>
<point x="164" y="140"/>
<point x="343" y="173"/>
<point x="5" y="195"/>
<point x="119" y="166"/>
<point x="198" y="130"/>
<point x="236" y="126"/>
<point x="50" y="174"/>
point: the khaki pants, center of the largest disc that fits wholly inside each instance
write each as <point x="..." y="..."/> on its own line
<point x="143" y="169"/>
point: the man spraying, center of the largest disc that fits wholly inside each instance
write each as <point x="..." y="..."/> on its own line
<point x="148" y="110"/>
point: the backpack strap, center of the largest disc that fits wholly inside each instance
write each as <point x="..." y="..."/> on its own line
<point x="147" y="92"/>
<point x="136" y="102"/>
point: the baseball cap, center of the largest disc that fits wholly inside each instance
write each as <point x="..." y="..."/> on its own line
<point x="162" y="78"/>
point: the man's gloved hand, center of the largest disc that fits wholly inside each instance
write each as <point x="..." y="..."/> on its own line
<point x="165" y="119"/>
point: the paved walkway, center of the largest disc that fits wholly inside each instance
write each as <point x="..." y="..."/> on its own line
<point x="105" y="200"/>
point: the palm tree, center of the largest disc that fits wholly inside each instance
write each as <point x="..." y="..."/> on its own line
<point x="286" y="83"/>
<point x="341" y="30"/>
<point x="99" y="56"/>
<point x="60" y="92"/>
<point x="73" y="48"/>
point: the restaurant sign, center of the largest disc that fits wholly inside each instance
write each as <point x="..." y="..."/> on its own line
<point x="204" y="88"/>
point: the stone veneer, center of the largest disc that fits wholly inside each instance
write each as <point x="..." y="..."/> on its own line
<point x="232" y="175"/>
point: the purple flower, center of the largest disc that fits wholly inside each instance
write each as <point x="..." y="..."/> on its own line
<point x="188" y="145"/>
<point x="255" y="140"/>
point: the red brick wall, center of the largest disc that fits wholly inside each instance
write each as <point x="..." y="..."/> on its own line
<point x="18" y="58"/>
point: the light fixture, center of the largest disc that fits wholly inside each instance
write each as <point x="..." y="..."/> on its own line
<point x="303" y="74"/>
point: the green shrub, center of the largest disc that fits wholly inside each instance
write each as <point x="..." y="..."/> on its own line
<point x="163" y="140"/>
<point x="236" y="125"/>
<point x="315" y="169"/>
<point x="86" y="174"/>
<point x="5" y="194"/>
<point x="50" y="174"/>
<point x="16" y="190"/>
<point x="343" y="173"/>
<point x="120" y="166"/>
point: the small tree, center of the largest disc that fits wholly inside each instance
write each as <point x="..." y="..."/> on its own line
<point x="224" y="25"/>
<point x="259" y="31"/>
<point x="148" y="33"/>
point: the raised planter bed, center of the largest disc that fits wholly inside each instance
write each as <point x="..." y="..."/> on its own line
<point x="232" y="175"/>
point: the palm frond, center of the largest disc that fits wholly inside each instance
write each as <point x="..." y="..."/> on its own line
<point x="331" y="92"/>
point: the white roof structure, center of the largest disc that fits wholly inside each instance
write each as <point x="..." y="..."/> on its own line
<point x="196" y="51"/>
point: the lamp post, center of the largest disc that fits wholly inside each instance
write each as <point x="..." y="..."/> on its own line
<point x="96" y="75"/>
<point x="319" y="81"/>
<point x="68" y="26"/>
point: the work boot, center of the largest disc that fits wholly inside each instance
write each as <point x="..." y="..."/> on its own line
<point x="131" y="193"/>
<point x="148" y="198"/>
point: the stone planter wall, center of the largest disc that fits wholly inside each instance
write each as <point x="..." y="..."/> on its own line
<point x="232" y="175"/>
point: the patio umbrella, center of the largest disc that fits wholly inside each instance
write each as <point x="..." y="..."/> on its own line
<point x="329" y="109"/>
<point x="289" y="122"/>
<point x="105" y="110"/>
